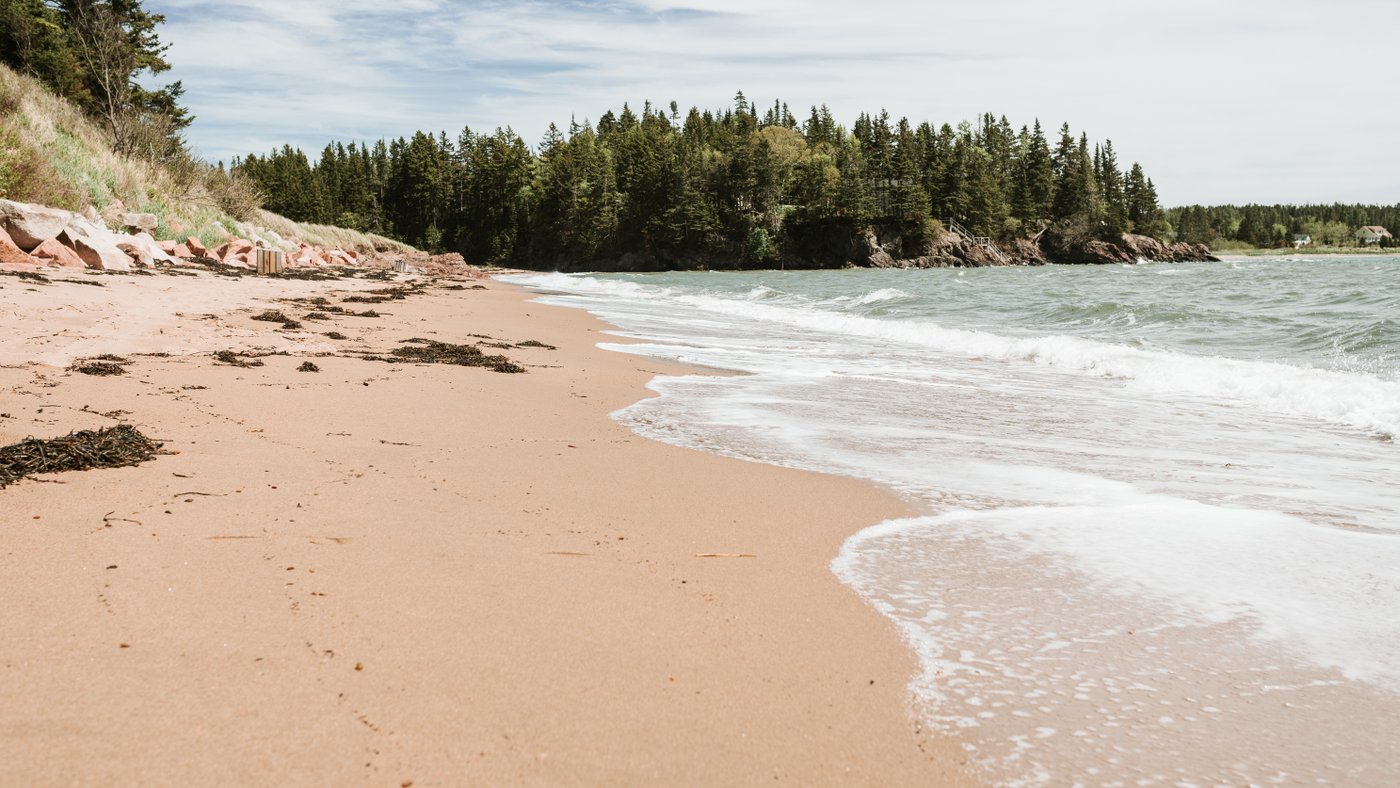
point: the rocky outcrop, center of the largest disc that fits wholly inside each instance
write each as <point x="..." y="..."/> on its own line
<point x="39" y="235"/>
<point x="1128" y="248"/>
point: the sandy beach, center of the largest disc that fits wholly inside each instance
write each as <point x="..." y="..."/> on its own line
<point x="403" y="574"/>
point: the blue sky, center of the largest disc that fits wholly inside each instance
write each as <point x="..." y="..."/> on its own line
<point x="1221" y="100"/>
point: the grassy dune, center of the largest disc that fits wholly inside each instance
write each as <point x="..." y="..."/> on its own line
<point x="51" y="154"/>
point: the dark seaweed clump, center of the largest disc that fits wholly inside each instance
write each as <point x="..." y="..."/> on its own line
<point x="114" y="447"/>
<point x="313" y="274"/>
<point x="273" y="316"/>
<point x="425" y="351"/>
<point x="103" y="365"/>
<point x="231" y="358"/>
<point x="336" y="335"/>
<point x="316" y="316"/>
<point x="221" y="269"/>
<point x="307" y="366"/>
<point x="536" y="343"/>
<point x="27" y="276"/>
<point x="383" y="294"/>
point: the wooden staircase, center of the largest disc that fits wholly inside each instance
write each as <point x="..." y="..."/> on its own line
<point x="977" y="240"/>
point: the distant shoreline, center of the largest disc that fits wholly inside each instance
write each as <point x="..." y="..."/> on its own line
<point x="1338" y="251"/>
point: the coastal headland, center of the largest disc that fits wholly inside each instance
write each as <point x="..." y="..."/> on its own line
<point x="412" y="574"/>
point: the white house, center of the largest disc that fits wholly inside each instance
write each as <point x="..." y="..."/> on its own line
<point x="1372" y="234"/>
<point x="1302" y="239"/>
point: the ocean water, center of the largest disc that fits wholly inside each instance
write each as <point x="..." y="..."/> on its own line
<point x="1159" y="540"/>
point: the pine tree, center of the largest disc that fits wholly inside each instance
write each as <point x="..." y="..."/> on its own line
<point x="1110" y="179"/>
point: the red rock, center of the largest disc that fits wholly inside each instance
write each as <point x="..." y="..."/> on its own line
<point x="236" y="248"/>
<point x="181" y="250"/>
<point x="196" y="247"/>
<point x="57" y="252"/>
<point x="167" y="246"/>
<point x="10" y="252"/>
<point x="94" y="253"/>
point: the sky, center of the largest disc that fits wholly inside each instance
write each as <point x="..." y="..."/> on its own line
<point x="1220" y="100"/>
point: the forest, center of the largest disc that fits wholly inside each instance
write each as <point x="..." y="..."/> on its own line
<point x="742" y="186"/>
<point x="1273" y="226"/>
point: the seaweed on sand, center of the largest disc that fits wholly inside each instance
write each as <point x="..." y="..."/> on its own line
<point x="222" y="269"/>
<point x="383" y="294"/>
<point x="27" y="276"/>
<point x="336" y="335"/>
<point x="231" y="358"/>
<point x="113" y="447"/>
<point x="307" y="366"/>
<point x="273" y="316"/>
<point x="100" y="368"/>
<point x="312" y="274"/>
<point x="316" y="316"/>
<point x="105" y="364"/>
<point x="424" y="351"/>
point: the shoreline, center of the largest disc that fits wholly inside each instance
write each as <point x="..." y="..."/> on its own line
<point x="1324" y="251"/>
<point x="391" y="573"/>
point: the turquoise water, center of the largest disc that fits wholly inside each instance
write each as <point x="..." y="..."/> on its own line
<point x="1329" y="313"/>
<point x="1160" y="507"/>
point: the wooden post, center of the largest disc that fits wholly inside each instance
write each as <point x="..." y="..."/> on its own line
<point x="270" y="261"/>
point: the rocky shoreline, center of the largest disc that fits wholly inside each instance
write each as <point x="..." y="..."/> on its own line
<point x="37" y="235"/>
<point x="872" y="249"/>
<point x="951" y="250"/>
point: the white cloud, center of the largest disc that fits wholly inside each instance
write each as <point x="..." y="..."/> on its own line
<point x="1242" y="101"/>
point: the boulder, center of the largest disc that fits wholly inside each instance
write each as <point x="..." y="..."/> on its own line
<point x="10" y="253"/>
<point x="233" y="249"/>
<point x="52" y="250"/>
<point x="95" y="252"/>
<point x="182" y="251"/>
<point x="312" y="256"/>
<point x="140" y="222"/>
<point x="30" y="225"/>
<point x="167" y="246"/>
<point x="196" y="247"/>
<point x="144" y="249"/>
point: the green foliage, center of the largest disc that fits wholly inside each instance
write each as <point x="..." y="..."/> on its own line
<point x="736" y="186"/>
<point x="96" y="53"/>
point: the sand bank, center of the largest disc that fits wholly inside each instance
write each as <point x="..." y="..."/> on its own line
<point x="387" y="574"/>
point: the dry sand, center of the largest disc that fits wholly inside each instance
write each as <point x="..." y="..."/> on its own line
<point x="384" y="574"/>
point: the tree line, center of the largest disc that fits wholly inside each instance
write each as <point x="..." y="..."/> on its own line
<point x="1268" y="226"/>
<point x="742" y="186"/>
